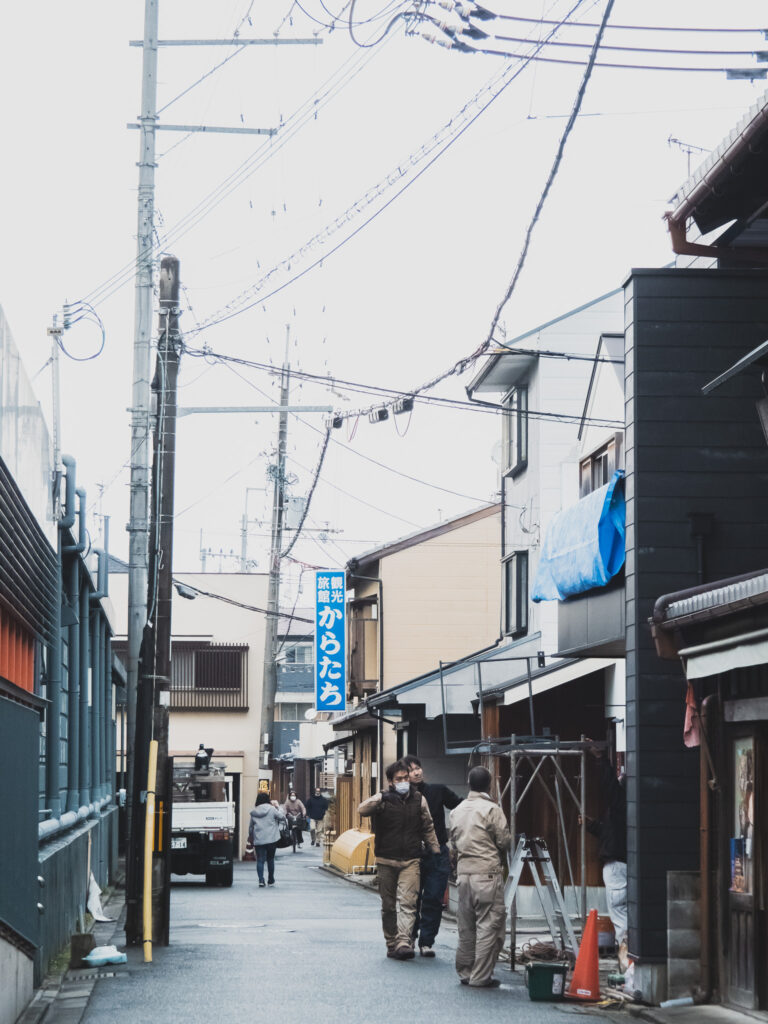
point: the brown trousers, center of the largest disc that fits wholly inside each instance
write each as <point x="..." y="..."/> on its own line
<point x="399" y="891"/>
<point x="482" y="926"/>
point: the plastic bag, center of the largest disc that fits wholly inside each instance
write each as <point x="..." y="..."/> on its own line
<point x="105" y="955"/>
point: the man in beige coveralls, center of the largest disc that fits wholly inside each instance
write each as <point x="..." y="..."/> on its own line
<point x="402" y="827"/>
<point x="479" y="838"/>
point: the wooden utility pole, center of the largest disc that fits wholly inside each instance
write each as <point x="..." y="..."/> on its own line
<point x="160" y="594"/>
<point x="153" y="699"/>
<point x="269" y="682"/>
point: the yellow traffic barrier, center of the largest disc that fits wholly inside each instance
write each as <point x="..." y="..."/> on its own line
<point x="352" y="853"/>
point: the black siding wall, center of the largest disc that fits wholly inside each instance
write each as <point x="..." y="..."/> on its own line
<point x="685" y="453"/>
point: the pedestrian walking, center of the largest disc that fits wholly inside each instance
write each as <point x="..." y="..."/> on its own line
<point x="402" y="828"/>
<point x="263" y="834"/>
<point x="435" y="867"/>
<point x="296" y="813"/>
<point x="317" y="805"/>
<point x="611" y="832"/>
<point x="479" y="837"/>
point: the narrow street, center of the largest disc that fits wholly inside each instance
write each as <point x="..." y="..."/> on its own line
<point x="308" y="948"/>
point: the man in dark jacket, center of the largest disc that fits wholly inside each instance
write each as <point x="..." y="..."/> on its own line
<point x="402" y="827"/>
<point x="435" y="868"/>
<point x="317" y="805"/>
<point x="611" y="831"/>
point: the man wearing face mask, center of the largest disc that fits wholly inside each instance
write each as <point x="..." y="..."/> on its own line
<point x="402" y="827"/>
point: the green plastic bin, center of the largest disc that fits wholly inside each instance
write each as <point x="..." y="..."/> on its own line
<point x="546" y="982"/>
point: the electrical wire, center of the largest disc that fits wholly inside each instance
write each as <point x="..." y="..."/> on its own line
<point x="758" y="72"/>
<point x="506" y="78"/>
<point x="304" y="114"/>
<point x="237" y="604"/>
<point x="388" y="394"/>
<point x="552" y="174"/>
<point x="628" y="28"/>
<point x="636" y="49"/>
<point x="308" y="500"/>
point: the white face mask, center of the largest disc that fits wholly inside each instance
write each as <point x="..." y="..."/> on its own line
<point x="402" y="787"/>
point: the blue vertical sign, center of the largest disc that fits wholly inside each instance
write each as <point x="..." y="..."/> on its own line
<point x="330" y="641"/>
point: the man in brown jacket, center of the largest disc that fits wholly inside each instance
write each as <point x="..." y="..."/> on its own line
<point x="402" y="826"/>
<point x="479" y="837"/>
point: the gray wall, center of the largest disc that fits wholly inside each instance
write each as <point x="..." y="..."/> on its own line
<point x="685" y="453"/>
<point x="19" y="891"/>
<point x="64" y="866"/>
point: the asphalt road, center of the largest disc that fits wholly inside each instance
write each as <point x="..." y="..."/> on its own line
<point x="308" y="948"/>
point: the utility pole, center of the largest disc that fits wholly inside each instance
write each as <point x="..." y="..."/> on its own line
<point x="269" y="682"/>
<point x="160" y="594"/>
<point x="137" y="525"/>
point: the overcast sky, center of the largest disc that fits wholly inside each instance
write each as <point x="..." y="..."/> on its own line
<point x="402" y="297"/>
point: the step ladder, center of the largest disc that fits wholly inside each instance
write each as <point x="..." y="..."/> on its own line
<point x="535" y="854"/>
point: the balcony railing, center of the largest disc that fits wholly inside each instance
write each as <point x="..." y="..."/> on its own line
<point x="213" y="677"/>
<point x="295" y="678"/>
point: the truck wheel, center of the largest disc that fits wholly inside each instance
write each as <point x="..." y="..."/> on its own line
<point x="211" y="876"/>
<point x="225" y="875"/>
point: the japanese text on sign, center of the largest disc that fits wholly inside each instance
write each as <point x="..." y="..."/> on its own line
<point x="330" y="642"/>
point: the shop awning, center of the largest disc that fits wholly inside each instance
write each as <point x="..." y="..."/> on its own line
<point x="724" y="655"/>
<point x="556" y="675"/>
<point x="584" y="544"/>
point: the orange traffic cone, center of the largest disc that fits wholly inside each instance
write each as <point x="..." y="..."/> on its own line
<point x="585" y="983"/>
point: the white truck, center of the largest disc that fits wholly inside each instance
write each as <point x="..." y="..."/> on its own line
<point x="202" y="823"/>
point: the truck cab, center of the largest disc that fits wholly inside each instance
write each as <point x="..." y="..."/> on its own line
<point x="202" y="822"/>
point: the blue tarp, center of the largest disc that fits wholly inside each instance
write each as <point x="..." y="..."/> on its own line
<point x="584" y="544"/>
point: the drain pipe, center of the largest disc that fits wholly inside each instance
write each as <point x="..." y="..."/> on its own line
<point x="73" y="673"/>
<point x="85" y="702"/>
<point x="53" y="688"/>
<point x="99" y="660"/>
<point x="708" y="709"/>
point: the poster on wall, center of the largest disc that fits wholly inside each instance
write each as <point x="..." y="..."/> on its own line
<point x="744" y="815"/>
<point x="330" y="641"/>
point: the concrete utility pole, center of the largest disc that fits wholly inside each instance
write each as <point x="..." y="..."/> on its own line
<point x="269" y="682"/>
<point x="137" y="525"/>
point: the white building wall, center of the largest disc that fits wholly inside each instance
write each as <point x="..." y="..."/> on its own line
<point x="559" y="386"/>
<point x="234" y="735"/>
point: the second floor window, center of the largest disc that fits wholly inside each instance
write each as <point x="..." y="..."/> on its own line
<point x="515" y="439"/>
<point x="296" y="654"/>
<point x="516" y="594"/>
<point x="597" y="469"/>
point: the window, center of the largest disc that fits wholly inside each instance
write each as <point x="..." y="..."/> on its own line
<point x="516" y="594"/>
<point x="597" y="469"/>
<point x="290" y="711"/>
<point x="296" y="654"/>
<point x="515" y="437"/>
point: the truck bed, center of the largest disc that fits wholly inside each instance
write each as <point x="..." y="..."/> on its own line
<point x="202" y="817"/>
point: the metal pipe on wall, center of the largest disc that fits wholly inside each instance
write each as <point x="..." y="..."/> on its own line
<point x="73" y="668"/>
<point x="85" y="676"/>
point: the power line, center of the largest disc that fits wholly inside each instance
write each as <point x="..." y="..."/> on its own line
<point x="454" y="132"/>
<point x="636" y="49"/>
<point x="552" y="174"/>
<point x="304" y="113"/>
<point x="630" y="28"/>
<point x="388" y="394"/>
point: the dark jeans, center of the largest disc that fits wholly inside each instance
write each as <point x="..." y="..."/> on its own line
<point x="266" y="853"/>
<point x="435" y="868"/>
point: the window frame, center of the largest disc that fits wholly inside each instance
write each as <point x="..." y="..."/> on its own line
<point x="517" y="562"/>
<point x="515" y="430"/>
<point x="610" y="454"/>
